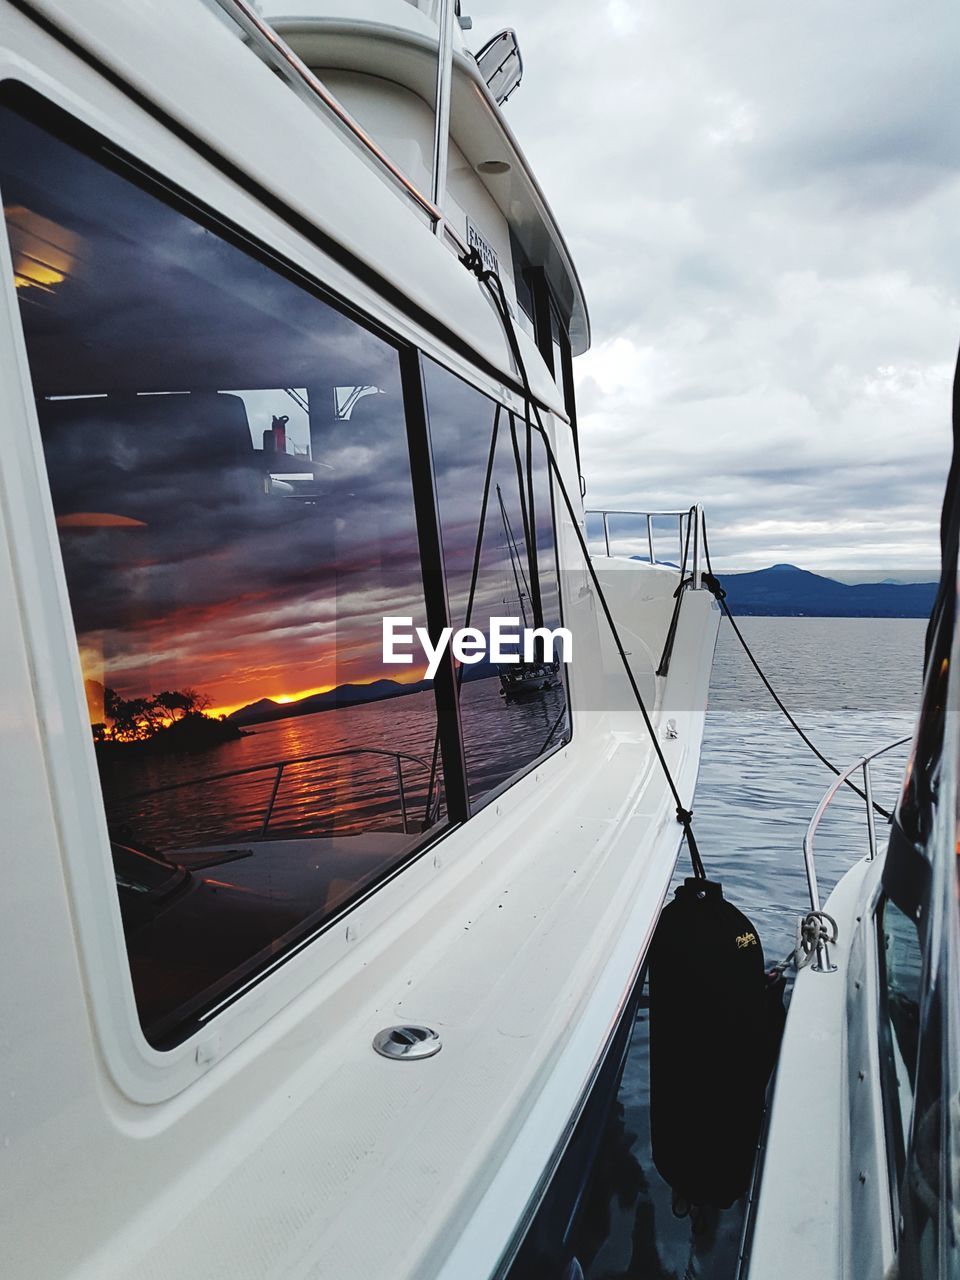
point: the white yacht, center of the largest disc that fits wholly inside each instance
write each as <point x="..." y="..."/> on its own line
<point x="312" y="967"/>
<point x="860" y="1171"/>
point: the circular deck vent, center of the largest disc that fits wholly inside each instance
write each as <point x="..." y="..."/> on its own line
<point x="407" y="1042"/>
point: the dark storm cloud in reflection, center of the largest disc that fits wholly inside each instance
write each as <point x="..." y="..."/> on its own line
<point x="186" y="564"/>
<point x="219" y="572"/>
<point x="160" y="301"/>
<point x="461" y="427"/>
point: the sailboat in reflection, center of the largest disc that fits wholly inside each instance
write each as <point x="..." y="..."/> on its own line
<point x="523" y="679"/>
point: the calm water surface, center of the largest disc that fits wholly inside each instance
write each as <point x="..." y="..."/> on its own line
<point x="342" y="795"/>
<point x="854" y="684"/>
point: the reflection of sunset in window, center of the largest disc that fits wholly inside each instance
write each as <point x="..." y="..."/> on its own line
<point x="229" y="463"/>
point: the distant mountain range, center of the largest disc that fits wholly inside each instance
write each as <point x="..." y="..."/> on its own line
<point x="344" y="695"/>
<point x="784" y="591"/>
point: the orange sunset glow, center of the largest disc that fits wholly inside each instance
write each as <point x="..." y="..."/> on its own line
<point x="407" y="677"/>
<point x="172" y="654"/>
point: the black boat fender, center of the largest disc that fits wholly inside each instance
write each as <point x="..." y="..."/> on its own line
<point x="716" y="1020"/>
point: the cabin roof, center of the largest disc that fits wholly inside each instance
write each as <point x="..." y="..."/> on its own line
<point x="201" y="78"/>
<point x="398" y="42"/>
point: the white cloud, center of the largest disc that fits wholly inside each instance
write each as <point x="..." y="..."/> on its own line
<point x="763" y="203"/>
<point x="736" y="120"/>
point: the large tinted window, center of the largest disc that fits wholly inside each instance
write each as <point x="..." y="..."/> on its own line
<point x="496" y="516"/>
<point x="228" y="460"/>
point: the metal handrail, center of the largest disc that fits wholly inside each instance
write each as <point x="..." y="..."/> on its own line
<point x="695" y="512"/>
<point x="822" y="964"/>
<point x="278" y="54"/>
<point x="279" y="765"/>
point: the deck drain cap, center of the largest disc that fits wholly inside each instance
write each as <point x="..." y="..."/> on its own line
<point x="407" y="1042"/>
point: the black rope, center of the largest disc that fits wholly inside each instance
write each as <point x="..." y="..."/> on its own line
<point x="524" y="516"/>
<point x="474" y="263"/>
<point x="553" y="729"/>
<point x="712" y="584"/>
<point x="664" y="665"/>
<point x="533" y="551"/>
<point x="474" y="574"/>
<point x="684" y="816"/>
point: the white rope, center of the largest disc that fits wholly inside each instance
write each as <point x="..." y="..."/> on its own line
<point x="814" y="930"/>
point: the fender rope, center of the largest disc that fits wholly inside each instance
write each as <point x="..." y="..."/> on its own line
<point x="712" y="584"/>
<point x="473" y="262"/>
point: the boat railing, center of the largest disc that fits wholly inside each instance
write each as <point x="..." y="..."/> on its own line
<point x="862" y="766"/>
<point x="691" y="519"/>
<point x="279" y="766"/>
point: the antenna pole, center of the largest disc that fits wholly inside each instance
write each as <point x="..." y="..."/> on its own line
<point x="441" y="112"/>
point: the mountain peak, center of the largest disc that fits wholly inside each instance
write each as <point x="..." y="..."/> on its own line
<point x="262" y="704"/>
<point x="786" y="590"/>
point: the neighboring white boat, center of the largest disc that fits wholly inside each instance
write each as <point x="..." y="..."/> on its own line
<point x="253" y="403"/>
<point x="860" y="1171"/>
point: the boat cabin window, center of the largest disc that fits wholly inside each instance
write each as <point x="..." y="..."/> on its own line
<point x="541" y="317"/>
<point x="228" y="460"/>
<point x="496" y="518"/>
<point x="521" y="276"/>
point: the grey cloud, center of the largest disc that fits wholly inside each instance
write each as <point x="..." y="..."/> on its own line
<point x="764" y="204"/>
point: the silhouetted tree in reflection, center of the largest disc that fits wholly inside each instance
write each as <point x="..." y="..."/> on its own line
<point x="175" y="719"/>
<point x="177" y="703"/>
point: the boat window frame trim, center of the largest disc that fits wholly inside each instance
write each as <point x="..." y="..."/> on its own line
<point x="148" y="1074"/>
<point x="96" y="149"/>
<point x="436" y="598"/>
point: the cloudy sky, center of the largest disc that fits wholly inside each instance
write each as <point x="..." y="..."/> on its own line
<point x="763" y="201"/>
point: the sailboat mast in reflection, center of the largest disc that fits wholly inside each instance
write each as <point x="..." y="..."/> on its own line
<point x="522" y="679"/>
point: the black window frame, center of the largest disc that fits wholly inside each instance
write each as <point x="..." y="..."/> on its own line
<point x="67" y="128"/>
